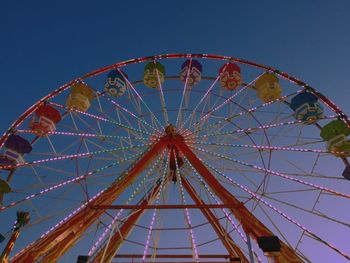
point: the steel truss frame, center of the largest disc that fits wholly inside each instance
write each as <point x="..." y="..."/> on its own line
<point x="50" y="247"/>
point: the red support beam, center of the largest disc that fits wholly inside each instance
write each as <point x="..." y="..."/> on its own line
<point x="131" y="256"/>
<point x="107" y="252"/>
<point x="231" y="260"/>
<point x="227" y="241"/>
<point x="196" y="206"/>
<point x="54" y="244"/>
<point x="10" y="244"/>
<point x="250" y="223"/>
<point x="62" y="238"/>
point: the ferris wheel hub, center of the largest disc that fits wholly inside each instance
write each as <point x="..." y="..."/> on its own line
<point x="170" y="130"/>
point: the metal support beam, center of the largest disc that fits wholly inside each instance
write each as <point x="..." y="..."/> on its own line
<point x="250" y="250"/>
<point x="172" y="256"/>
<point x="227" y="241"/>
<point x="231" y="260"/>
<point x="250" y="223"/>
<point x="107" y="252"/>
<point x="196" y="206"/>
<point x="54" y="244"/>
<point x="10" y="244"/>
<point x="62" y="238"/>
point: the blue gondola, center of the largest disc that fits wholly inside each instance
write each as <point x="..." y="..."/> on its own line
<point x="306" y="107"/>
<point x="115" y="84"/>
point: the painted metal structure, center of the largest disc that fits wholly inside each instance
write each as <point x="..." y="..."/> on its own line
<point x="179" y="144"/>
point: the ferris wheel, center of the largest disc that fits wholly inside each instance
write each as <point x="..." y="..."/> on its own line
<point x="177" y="158"/>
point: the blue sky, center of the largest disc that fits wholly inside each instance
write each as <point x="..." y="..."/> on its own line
<point x="44" y="44"/>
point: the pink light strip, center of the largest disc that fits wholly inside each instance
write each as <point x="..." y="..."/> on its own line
<point x="228" y="100"/>
<point x="205" y="95"/>
<point x="74" y="212"/>
<point x="114" y="221"/>
<point x="264" y="147"/>
<point x="66" y="86"/>
<point x="227" y="215"/>
<point x="165" y="111"/>
<point x="276" y="173"/>
<point x="155" y="210"/>
<point x="59" y="223"/>
<point x="138" y="95"/>
<point x="188" y="218"/>
<point x="89" y="135"/>
<point x="76" y="179"/>
<point x="250" y="129"/>
<point x="132" y="114"/>
<point x="101" y="118"/>
<point x="254" y="128"/>
<point x="279" y="212"/>
<point x="78" y="155"/>
<point x="183" y="92"/>
<point x="283" y="98"/>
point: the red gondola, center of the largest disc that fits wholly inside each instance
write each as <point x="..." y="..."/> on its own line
<point x="230" y="76"/>
<point x="45" y="120"/>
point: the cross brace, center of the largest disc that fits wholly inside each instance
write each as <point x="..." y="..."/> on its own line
<point x="54" y="244"/>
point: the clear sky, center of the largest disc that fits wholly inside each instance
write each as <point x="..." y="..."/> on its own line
<point x="44" y="44"/>
<point x="47" y="43"/>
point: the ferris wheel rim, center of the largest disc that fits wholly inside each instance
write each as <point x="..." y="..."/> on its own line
<point x="56" y="92"/>
<point x="31" y="109"/>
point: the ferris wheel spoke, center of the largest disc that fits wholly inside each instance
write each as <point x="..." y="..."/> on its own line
<point x="265" y="147"/>
<point x="162" y="98"/>
<point x="122" y="146"/>
<point x="187" y="213"/>
<point x="118" y="107"/>
<point x="119" y="115"/>
<point x="135" y="102"/>
<point x="266" y="164"/>
<point x="271" y="172"/>
<point x="121" y="118"/>
<point x="67" y="182"/>
<point x="226" y="213"/>
<point x="229" y="99"/>
<point x="111" y="227"/>
<point x="285" y="216"/>
<point x="199" y="113"/>
<point x="281" y="232"/>
<point x="179" y="114"/>
<point x="48" y="217"/>
<point x="251" y="129"/>
<point x="163" y="181"/>
<point x="81" y="211"/>
<point x="310" y="211"/>
<point x="78" y="155"/>
<point x="201" y="100"/>
<point x="103" y="119"/>
<point x="92" y="135"/>
<point x="247" y="111"/>
<point x="114" y="150"/>
<point x="142" y="120"/>
<point x="259" y="187"/>
<point x="139" y="96"/>
<point x="101" y="109"/>
<point x="77" y="129"/>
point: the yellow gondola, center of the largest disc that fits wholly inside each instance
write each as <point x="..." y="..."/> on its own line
<point x="268" y="87"/>
<point x="80" y="97"/>
<point x="154" y="74"/>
